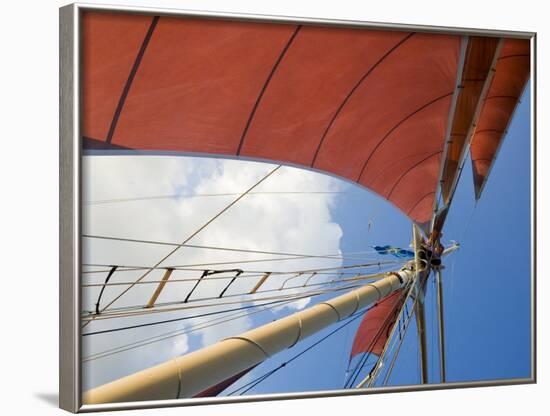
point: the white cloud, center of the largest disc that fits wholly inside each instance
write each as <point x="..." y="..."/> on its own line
<point x="294" y="223"/>
<point x="180" y="346"/>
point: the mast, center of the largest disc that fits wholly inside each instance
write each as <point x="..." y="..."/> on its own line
<point x="421" y="328"/>
<point x="420" y="267"/>
<point x="419" y="304"/>
<point x="190" y="374"/>
<point x="440" y="318"/>
<point x="441" y="315"/>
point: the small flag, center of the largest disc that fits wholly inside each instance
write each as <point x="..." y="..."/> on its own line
<point x="394" y="251"/>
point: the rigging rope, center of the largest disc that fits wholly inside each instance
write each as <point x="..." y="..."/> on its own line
<point x="254" y="273"/>
<point x="363" y="361"/>
<point x="134" y="268"/>
<point x="277" y="300"/>
<point x="206" y="224"/>
<point x="142" y="310"/>
<point x="112" y="313"/>
<point x="183" y="196"/>
<point x="246" y="276"/>
<point x="113" y="269"/>
<point x="172" y="334"/>
<point x="468" y="222"/>
<point x="205" y="247"/>
<point x="400" y="343"/>
<point x="403" y="310"/>
<point x="106" y="331"/>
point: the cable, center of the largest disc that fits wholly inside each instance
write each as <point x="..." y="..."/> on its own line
<point x="403" y="310"/>
<point x="134" y="268"/>
<point x="253" y="273"/>
<point x="172" y="334"/>
<point x="406" y="327"/>
<point x="239" y="250"/>
<point x="337" y="280"/>
<point x="111" y="313"/>
<point x="175" y="196"/>
<point x="277" y="300"/>
<point x="142" y="310"/>
<point x="206" y="314"/>
<point x="363" y="361"/>
<point x="244" y="276"/>
<point x="106" y="331"/>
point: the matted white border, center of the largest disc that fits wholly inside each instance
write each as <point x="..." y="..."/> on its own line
<point x="70" y="393"/>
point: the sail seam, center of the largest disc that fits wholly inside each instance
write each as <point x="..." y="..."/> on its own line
<point x="489" y="131"/>
<point x="355" y="87"/>
<point x="410" y="170"/>
<point x="264" y="87"/>
<point x="130" y="79"/>
<point x="510" y="97"/>
<point x="388" y="134"/>
<point x="512" y="56"/>
<point x="419" y="201"/>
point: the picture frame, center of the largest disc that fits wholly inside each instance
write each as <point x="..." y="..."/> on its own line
<point x="71" y="182"/>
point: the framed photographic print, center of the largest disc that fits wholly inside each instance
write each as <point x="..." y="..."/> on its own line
<point x="258" y="207"/>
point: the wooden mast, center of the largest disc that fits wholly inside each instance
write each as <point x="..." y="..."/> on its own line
<point x="419" y="303"/>
<point x="421" y="328"/>
<point x="441" y="316"/>
<point x="441" y="320"/>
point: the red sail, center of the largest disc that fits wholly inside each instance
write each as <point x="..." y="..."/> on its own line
<point x="478" y="63"/>
<point x="370" y="106"/>
<point x="374" y="329"/>
<point x="218" y="388"/>
<point x="512" y="73"/>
